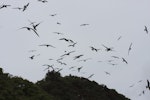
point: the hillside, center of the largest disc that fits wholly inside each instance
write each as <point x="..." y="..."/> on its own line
<point x="54" y="87"/>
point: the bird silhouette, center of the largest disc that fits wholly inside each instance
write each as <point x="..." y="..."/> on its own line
<point x="67" y="54"/>
<point x="108" y="48"/>
<point x="72" y="45"/>
<point x="49" y="66"/>
<point x="43" y="1"/>
<point x="145" y="29"/>
<point x="47" y="45"/>
<point x="19" y="8"/>
<point x="53" y="15"/>
<point x="107" y="73"/>
<point x="84" y="60"/>
<point x="148" y="85"/>
<point x="58" y="23"/>
<point x="67" y="40"/>
<point x="131" y="85"/>
<point x="29" y="29"/>
<point x="94" y="49"/>
<point x="76" y="57"/>
<point x="35" y="25"/>
<point x="119" y="38"/>
<point x="123" y="59"/>
<point x="4" y="6"/>
<point x="90" y="76"/>
<point x="115" y="57"/>
<point x="62" y="63"/>
<point x="79" y="68"/>
<point x="32" y="57"/>
<point x="25" y="7"/>
<point x="84" y="24"/>
<point x="129" y="48"/>
<point x="58" y="33"/>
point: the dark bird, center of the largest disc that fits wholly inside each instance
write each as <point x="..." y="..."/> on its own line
<point x="58" y="33"/>
<point x="19" y="8"/>
<point x="113" y="64"/>
<point x="32" y="57"/>
<point x="79" y="68"/>
<point x="131" y="85"/>
<point x="119" y="38"/>
<point x="84" y="60"/>
<point x="115" y="57"/>
<point x="62" y="63"/>
<point x="43" y="1"/>
<point x="72" y="67"/>
<point x="146" y="30"/>
<point x="72" y="45"/>
<point x="94" y="49"/>
<point x="67" y="54"/>
<point x="76" y="57"/>
<point x="29" y="29"/>
<point x="4" y="6"/>
<point x="148" y="85"/>
<point x="35" y="25"/>
<point x="107" y="73"/>
<point x="90" y="76"/>
<point x="108" y="48"/>
<point x="49" y="66"/>
<point x="67" y="40"/>
<point x="58" y="23"/>
<point x="84" y="24"/>
<point x="129" y="48"/>
<point x="53" y="15"/>
<point x="25" y="7"/>
<point x="47" y="45"/>
<point x="124" y="60"/>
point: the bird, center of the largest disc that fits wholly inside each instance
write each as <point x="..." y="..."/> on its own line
<point x="107" y="73"/>
<point x="49" y="66"/>
<point x="115" y="57"/>
<point x="19" y="8"/>
<point x="43" y="1"/>
<point x="32" y="57"/>
<point x="79" y="68"/>
<point x="119" y="38"/>
<point x="108" y="48"/>
<point x="47" y="45"/>
<point x="62" y="63"/>
<point x="72" y="45"/>
<point x="53" y="15"/>
<point x="67" y="40"/>
<point x="72" y="67"/>
<point x="90" y="76"/>
<point x="67" y="53"/>
<point x="35" y="25"/>
<point x="58" y="33"/>
<point x="25" y="6"/>
<point x="76" y="57"/>
<point x="148" y="85"/>
<point x="123" y="59"/>
<point x="84" y="24"/>
<point x="84" y="60"/>
<point x="29" y="29"/>
<point x="131" y="85"/>
<point x="113" y="64"/>
<point x="129" y="48"/>
<point x="58" y="23"/>
<point x="94" y="49"/>
<point x="4" y="6"/>
<point x="145" y="29"/>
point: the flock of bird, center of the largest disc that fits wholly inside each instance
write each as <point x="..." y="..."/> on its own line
<point x="33" y="28"/>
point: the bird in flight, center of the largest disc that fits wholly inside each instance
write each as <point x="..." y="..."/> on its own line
<point x="79" y="68"/>
<point x="115" y="57"/>
<point x="53" y="15"/>
<point x="76" y="57"/>
<point x="67" y="53"/>
<point x="4" y="6"/>
<point x="49" y="66"/>
<point x="129" y="48"/>
<point x="90" y="76"/>
<point x="35" y="25"/>
<point x="119" y="38"/>
<point x="47" y="45"/>
<point x="84" y="24"/>
<point x="94" y="49"/>
<point x="19" y="8"/>
<point x="146" y="30"/>
<point x="58" y="33"/>
<point x="67" y="40"/>
<point x="148" y="85"/>
<point x="72" y="45"/>
<point x="29" y="29"/>
<point x="84" y="60"/>
<point x="32" y="57"/>
<point x="43" y="1"/>
<point x="58" y="23"/>
<point x="108" y="48"/>
<point x="25" y="7"/>
<point x="107" y="73"/>
<point x="123" y="59"/>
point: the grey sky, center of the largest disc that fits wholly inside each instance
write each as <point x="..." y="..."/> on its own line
<point x="107" y="19"/>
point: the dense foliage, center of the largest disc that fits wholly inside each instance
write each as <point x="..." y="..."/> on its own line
<point x="54" y="87"/>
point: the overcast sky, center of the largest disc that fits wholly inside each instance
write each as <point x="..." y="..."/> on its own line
<point x="107" y="21"/>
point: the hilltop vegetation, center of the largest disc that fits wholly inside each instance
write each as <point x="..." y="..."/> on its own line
<point x="54" y="87"/>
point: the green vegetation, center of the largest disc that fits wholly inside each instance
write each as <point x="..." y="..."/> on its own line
<point x="54" y="87"/>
